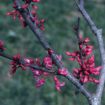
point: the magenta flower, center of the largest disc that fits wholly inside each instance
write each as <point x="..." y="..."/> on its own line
<point x="58" y="84"/>
<point x="47" y="61"/>
<point x="15" y="64"/>
<point x="86" y="61"/>
<point x="63" y="72"/>
<point x="40" y="82"/>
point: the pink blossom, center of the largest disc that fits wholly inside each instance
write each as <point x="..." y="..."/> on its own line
<point x="33" y="11"/>
<point x="15" y="64"/>
<point x="87" y="62"/>
<point x="40" y="82"/>
<point x="63" y="72"/>
<point x="28" y="61"/>
<point x="86" y="40"/>
<point x="48" y="62"/>
<point x="58" y="84"/>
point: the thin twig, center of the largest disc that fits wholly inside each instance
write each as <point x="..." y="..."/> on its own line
<point x="76" y="29"/>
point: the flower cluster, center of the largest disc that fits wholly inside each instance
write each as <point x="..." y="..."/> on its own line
<point x="39" y="75"/>
<point x="63" y="71"/>
<point x="32" y="14"/>
<point x="15" y="14"/>
<point x="58" y="84"/>
<point x="85" y="59"/>
<point x="47" y="62"/>
<point x="15" y="64"/>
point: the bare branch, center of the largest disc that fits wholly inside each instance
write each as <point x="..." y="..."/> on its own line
<point x="81" y="3"/>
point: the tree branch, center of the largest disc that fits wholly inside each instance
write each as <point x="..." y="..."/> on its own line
<point x="44" y="43"/>
<point x="98" y="33"/>
<point x="35" y="67"/>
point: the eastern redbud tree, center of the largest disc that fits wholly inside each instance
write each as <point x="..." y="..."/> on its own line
<point x="51" y="66"/>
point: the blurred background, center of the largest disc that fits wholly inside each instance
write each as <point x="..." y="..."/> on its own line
<point x="60" y="16"/>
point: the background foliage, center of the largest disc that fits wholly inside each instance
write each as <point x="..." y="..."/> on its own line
<point x="60" y="17"/>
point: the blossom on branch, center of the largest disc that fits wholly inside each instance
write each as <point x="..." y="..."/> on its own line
<point x="32" y="14"/>
<point x="58" y="84"/>
<point x="85" y="59"/>
<point x="47" y="61"/>
<point x="63" y="72"/>
<point x="15" y="64"/>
